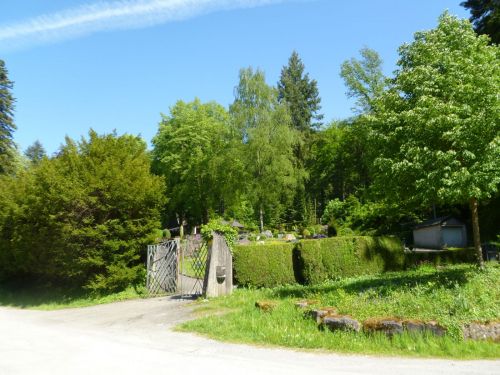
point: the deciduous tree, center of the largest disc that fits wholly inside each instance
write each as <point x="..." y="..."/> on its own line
<point x="191" y="151"/>
<point x="267" y="141"/>
<point x="438" y="126"/>
<point x="364" y="79"/>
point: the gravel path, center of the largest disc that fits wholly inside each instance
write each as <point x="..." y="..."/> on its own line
<point x="134" y="337"/>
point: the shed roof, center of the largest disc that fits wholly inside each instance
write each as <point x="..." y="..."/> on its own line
<point x="441" y="221"/>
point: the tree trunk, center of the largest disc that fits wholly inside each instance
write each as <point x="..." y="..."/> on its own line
<point x="475" y="230"/>
<point x="261" y="214"/>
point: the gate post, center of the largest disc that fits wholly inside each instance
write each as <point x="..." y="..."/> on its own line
<point x="219" y="272"/>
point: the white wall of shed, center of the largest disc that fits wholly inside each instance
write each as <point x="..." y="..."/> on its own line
<point x="454" y="236"/>
<point x="427" y="237"/>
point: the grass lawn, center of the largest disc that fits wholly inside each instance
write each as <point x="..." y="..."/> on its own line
<point x="453" y="296"/>
<point x="50" y="298"/>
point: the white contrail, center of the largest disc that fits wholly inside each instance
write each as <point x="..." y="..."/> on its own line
<point x="110" y="15"/>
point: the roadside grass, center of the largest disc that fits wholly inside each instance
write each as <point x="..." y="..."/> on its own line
<point x="55" y="298"/>
<point x="452" y="295"/>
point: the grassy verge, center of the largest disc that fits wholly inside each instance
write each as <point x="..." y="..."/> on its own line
<point x="453" y="296"/>
<point x="57" y="298"/>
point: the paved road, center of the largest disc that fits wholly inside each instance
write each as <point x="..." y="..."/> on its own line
<point x="133" y="337"/>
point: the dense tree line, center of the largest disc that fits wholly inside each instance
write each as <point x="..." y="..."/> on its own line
<point x="426" y="138"/>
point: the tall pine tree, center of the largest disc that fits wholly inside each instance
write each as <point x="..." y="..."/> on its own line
<point x="301" y="94"/>
<point x="485" y="17"/>
<point x="7" y="126"/>
<point x="35" y="153"/>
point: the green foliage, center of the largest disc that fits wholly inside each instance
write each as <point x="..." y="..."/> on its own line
<point x="485" y="16"/>
<point x="301" y="94"/>
<point x="334" y="210"/>
<point x="35" y="153"/>
<point x="190" y="151"/>
<point x="438" y="126"/>
<point x="166" y="234"/>
<point x="453" y="256"/>
<point x="265" y="146"/>
<point x="369" y="218"/>
<point x="215" y="225"/>
<point x="331" y="258"/>
<point x="364" y="79"/>
<point x="264" y="265"/>
<point x="7" y="126"/>
<point x="339" y="161"/>
<point x="314" y="261"/>
<point x="84" y="217"/>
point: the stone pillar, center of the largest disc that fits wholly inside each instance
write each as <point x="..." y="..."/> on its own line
<point x="219" y="273"/>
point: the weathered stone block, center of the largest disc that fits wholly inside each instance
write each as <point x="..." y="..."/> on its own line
<point x="414" y="326"/>
<point x="482" y="331"/>
<point x="320" y="313"/>
<point x="389" y="326"/>
<point x="434" y="328"/>
<point x="341" y="322"/>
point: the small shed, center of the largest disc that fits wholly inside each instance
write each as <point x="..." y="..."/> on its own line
<point x="440" y="233"/>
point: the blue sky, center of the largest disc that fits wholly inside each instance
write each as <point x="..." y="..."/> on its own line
<point x="118" y="64"/>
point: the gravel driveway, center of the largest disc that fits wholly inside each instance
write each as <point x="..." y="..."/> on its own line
<point x="134" y="337"/>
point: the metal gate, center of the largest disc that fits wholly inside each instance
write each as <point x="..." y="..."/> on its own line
<point x="163" y="267"/>
<point x="193" y="263"/>
<point x="177" y="266"/>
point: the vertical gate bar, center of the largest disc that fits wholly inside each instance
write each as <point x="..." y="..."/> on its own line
<point x="147" y="269"/>
<point x="177" y="257"/>
<point x="181" y="247"/>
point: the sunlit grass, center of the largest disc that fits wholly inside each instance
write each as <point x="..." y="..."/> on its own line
<point x="453" y="296"/>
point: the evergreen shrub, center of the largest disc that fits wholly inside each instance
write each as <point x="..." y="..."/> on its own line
<point x="335" y="257"/>
<point x="443" y="257"/>
<point x="262" y="265"/>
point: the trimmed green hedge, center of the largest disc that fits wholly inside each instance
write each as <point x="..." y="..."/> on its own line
<point x="264" y="265"/>
<point x="349" y="256"/>
<point x="315" y="261"/>
<point x="466" y="255"/>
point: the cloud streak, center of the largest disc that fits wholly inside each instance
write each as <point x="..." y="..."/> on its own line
<point x="111" y="15"/>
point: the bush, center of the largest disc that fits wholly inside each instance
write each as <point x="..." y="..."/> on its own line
<point x="84" y="217"/>
<point x="331" y="258"/>
<point x="315" y="261"/>
<point x="264" y="265"/>
<point x="166" y="234"/>
<point x="442" y="257"/>
<point x="215" y="225"/>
